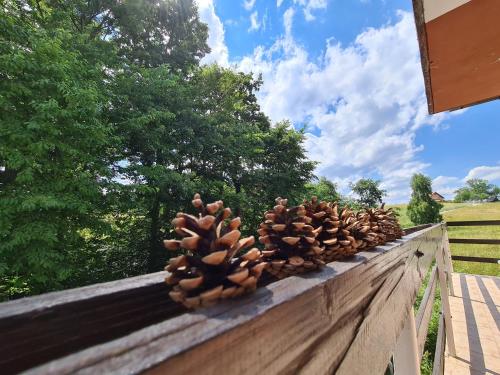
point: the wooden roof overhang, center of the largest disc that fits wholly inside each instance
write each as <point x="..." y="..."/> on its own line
<point x="460" y="51"/>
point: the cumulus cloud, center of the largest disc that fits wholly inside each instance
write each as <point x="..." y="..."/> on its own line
<point x="219" y="52"/>
<point x="248" y="4"/>
<point x="309" y="5"/>
<point x="363" y="102"/>
<point x="484" y="172"/>
<point x="279" y="2"/>
<point x="447" y="185"/>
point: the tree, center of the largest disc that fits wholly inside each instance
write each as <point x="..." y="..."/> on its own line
<point x="109" y="126"/>
<point x="476" y="189"/>
<point x="54" y="155"/>
<point x="368" y="191"/>
<point x="324" y="189"/>
<point x="422" y="209"/>
<point x="145" y="33"/>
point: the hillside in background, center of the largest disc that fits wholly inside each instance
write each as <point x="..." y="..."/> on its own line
<point x="468" y="211"/>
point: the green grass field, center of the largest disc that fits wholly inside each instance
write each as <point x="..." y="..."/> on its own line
<point x="468" y="211"/>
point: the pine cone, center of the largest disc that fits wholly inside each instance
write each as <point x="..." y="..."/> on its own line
<point x="388" y="223"/>
<point x="346" y="245"/>
<point x="290" y="240"/>
<point x="210" y="270"/>
<point x="359" y="227"/>
<point x="325" y="215"/>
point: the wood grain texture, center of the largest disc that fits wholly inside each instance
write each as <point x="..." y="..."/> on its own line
<point x="38" y="329"/>
<point x="438" y="365"/>
<point x="476" y="325"/>
<point x="317" y="323"/>
<point x="425" y="312"/>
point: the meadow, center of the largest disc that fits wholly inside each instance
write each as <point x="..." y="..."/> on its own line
<point x="461" y="212"/>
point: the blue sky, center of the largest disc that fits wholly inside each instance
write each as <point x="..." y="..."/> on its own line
<point x="350" y="71"/>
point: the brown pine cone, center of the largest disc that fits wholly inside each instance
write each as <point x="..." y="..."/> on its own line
<point x="388" y="223"/>
<point x="210" y="269"/>
<point x="290" y="240"/>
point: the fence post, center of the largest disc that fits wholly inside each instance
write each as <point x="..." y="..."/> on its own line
<point x="447" y="260"/>
<point x="406" y="360"/>
<point x="445" y="302"/>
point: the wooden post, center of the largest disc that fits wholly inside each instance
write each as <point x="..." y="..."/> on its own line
<point x="406" y="353"/>
<point x="445" y="303"/>
<point x="447" y="260"/>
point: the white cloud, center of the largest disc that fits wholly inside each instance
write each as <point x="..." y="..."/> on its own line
<point x="309" y="5"/>
<point x="279" y="2"/>
<point x="219" y="52"/>
<point x="248" y="4"/>
<point x="484" y="172"/>
<point x="363" y="102"/>
<point x="446" y="185"/>
<point x="288" y="21"/>
<point x="254" y="22"/>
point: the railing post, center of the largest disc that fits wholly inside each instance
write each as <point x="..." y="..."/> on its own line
<point x="447" y="260"/>
<point x="445" y="302"/>
<point x="406" y="353"/>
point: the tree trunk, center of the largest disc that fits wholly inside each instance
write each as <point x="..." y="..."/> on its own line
<point x="154" y="256"/>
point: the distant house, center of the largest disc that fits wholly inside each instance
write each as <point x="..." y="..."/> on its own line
<point x="437" y="197"/>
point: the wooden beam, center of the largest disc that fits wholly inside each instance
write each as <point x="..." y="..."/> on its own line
<point x="418" y="11"/>
<point x="476" y="259"/>
<point x="448" y="264"/>
<point x="438" y="365"/>
<point x="318" y="323"/>
<point x="476" y="241"/>
<point x="472" y="223"/>
<point x="38" y="329"/>
<point x="406" y="360"/>
<point x="417" y="228"/>
<point x="424" y="313"/>
<point x="445" y="302"/>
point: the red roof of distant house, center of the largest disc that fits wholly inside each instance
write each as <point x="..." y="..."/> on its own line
<point x="437" y="197"/>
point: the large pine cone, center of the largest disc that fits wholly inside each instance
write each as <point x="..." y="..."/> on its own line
<point x="210" y="268"/>
<point x="346" y="245"/>
<point x="359" y="227"/>
<point x="325" y="216"/>
<point x="290" y="240"/>
<point x="388" y="223"/>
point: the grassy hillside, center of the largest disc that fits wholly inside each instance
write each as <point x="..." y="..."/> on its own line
<point x="467" y="211"/>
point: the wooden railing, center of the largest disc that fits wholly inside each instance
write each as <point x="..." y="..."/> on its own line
<point x="475" y="241"/>
<point x="349" y="318"/>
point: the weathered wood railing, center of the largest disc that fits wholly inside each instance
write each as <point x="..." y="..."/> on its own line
<point x="350" y="318"/>
<point x="474" y="241"/>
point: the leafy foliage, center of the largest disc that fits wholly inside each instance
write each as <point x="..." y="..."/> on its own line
<point x="422" y="209"/>
<point x="108" y="128"/>
<point x="369" y="192"/>
<point x="324" y="189"/>
<point x="477" y="190"/>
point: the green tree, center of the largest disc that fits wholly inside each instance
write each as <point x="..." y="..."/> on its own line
<point x="324" y="189"/>
<point x="368" y="191"/>
<point x="53" y="155"/>
<point x="476" y="189"/>
<point x="422" y="209"/>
